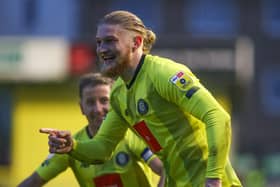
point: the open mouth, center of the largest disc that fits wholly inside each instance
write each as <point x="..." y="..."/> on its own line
<point x="108" y="58"/>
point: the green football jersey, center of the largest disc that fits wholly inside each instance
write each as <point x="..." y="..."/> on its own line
<point x="126" y="168"/>
<point x="176" y="116"/>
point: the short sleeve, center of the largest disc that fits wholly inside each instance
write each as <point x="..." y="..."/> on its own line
<point x="53" y="165"/>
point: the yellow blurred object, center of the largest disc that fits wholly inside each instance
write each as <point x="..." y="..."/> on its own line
<point x="35" y="107"/>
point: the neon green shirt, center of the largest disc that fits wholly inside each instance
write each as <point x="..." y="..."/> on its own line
<point x="178" y="118"/>
<point x="126" y="168"/>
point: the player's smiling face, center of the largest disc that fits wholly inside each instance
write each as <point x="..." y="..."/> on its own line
<point x="113" y="47"/>
<point x="95" y="103"/>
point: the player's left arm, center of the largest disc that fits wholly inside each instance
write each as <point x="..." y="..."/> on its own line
<point x="203" y="106"/>
<point x="184" y="89"/>
<point x="110" y="133"/>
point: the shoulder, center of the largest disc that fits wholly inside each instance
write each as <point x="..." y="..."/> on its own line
<point x="117" y="86"/>
<point x="161" y="63"/>
<point x="161" y="68"/>
<point x="80" y="134"/>
<point x="164" y="73"/>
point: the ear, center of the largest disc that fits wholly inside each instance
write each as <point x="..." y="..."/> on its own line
<point x="137" y="41"/>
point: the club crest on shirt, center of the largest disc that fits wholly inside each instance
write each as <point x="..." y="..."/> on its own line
<point x="122" y="158"/>
<point x="142" y="106"/>
<point x="181" y="80"/>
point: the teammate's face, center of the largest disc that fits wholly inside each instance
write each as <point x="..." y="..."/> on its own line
<point x="114" y="46"/>
<point x="95" y="103"/>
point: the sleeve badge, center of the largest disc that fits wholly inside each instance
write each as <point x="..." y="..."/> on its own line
<point x="181" y="80"/>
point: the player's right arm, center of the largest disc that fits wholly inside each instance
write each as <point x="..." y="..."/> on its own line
<point x="33" y="180"/>
<point x="98" y="149"/>
<point x="49" y="169"/>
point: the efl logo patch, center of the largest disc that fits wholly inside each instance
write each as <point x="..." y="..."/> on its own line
<point x="181" y="80"/>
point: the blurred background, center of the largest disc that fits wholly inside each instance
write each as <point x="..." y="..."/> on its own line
<point x="233" y="46"/>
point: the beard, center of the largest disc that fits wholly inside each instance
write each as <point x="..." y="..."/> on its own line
<point x="116" y="67"/>
<point x="112" y="70"/>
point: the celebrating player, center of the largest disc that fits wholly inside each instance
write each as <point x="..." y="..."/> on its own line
<point x="160" y="100"/>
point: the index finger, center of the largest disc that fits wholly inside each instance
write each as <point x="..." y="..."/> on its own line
<point x="48" y="131"/>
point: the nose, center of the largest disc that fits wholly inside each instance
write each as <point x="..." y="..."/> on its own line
<point x="101" y="48"/>
<point x="98" y="107"/>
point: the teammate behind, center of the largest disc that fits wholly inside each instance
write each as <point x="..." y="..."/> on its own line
<point x="129" y="164"/>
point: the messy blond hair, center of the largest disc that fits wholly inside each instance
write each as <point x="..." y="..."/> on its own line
<point x="131" y="22"/>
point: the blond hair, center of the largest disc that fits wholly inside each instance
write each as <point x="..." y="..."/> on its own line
<point x="131" y="22"/>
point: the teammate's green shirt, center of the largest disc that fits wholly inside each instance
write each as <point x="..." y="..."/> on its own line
<point x="125" y="169"/>
<point x="168" y="107"/>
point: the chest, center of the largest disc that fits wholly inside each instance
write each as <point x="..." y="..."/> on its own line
<point x="139" y="102"/>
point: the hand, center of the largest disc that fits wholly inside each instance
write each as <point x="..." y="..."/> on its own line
<point x="213" y="183"/>
<point x="59" y="141"/>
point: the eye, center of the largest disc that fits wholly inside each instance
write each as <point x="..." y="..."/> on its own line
<point x="104" y="100"/>
<point x="109" y="40"/>
<point x="98" y="42"/>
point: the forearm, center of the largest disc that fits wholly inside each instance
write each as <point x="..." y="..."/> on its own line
<point x="161" y="182"/>
<point x="92" y="151"/>
<point x="218" y="138"/>
<point x="101" y="146"/>
<point x="217" y="123"/>
<point x="157" y="167"/>
<point x="33" y="181"/>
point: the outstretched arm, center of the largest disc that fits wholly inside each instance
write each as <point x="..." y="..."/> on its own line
<point x="33" y="180"/>
<point x="95" y="150"/>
